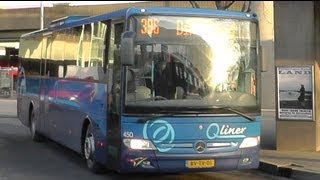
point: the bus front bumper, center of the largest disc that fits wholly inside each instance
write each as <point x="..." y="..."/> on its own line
<point x="151" y="161"/>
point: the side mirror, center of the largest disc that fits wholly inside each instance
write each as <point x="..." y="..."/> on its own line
<point x="127" y="48"/>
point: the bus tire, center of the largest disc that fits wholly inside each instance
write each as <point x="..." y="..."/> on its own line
<point x="89" y="152"/>
<point x="33" y="130"/>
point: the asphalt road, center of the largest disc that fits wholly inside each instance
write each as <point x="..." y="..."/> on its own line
<point x="21" y="158"/>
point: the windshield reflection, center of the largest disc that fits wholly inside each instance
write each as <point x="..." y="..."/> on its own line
<point x="214" y="64"/>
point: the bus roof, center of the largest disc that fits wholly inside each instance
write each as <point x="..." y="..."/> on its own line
<point x="188" y="12"/>
<point x="72" y="21"/>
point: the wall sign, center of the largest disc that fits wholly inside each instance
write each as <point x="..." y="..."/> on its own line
<point x="295" y="93"/>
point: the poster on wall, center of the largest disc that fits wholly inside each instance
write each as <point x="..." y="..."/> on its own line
<point x="295" y="93"/>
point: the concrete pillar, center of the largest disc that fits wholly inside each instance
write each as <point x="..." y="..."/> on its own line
<point x="317" y="71"/>
<point x="265" y="13"/>
<point x="295" y="46"/>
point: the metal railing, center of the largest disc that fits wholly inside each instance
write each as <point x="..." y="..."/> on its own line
<point x="7" y="81"/>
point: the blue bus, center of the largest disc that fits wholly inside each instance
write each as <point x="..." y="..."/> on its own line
<point x="153" y="89"/>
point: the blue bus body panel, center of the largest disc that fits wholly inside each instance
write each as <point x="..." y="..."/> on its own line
<point x="62" y="105"/>
<point x="78" y="100"/>
<point x="27" y="96"/>
<point x="175" y="139"/>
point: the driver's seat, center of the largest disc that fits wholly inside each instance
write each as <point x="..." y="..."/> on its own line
<point x="136" y="92"/>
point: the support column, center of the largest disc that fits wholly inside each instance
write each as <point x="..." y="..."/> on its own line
<point x="317" y="69"/>
<point x="295" y="47"/>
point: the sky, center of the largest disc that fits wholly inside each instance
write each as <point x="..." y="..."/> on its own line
<point x="32" y="4"/>
<point x="292" y="81"/>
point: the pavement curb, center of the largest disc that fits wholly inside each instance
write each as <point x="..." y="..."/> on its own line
<point x="275" y="169"/>
<point x="8" y="116"/>
<point x="288" y="172"/>
<point x="304" y="174"/>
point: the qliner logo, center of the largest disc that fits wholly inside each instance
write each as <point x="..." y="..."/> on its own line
<point x="160" y="131"/>
<point x="214" y="131"/>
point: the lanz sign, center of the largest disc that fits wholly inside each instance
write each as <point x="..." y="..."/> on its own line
<point x="295" y="93"/>
<point x="289" y="71"/>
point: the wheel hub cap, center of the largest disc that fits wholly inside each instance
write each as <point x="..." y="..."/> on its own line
<point x="89" y="147"/>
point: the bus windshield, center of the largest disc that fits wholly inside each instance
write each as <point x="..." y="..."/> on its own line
<point x="192" y="62"/>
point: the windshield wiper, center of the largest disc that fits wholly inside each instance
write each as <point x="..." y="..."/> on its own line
<point x="226" y="108"/>
<point x="235" y="111"/>
<point x="175" y="113"/>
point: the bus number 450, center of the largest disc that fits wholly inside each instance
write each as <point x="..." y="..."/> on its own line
<point x="128" y="134"/>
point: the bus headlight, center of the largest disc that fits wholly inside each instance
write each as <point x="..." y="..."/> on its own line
<point x="139" y="144"/>
<point x="250" y="142"/>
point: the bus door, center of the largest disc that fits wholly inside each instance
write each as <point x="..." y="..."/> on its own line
<point x="114" y="105"/>
<point x="44" y="84"/>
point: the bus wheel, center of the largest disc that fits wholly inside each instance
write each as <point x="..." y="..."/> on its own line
<point x="89" y="152"/>
<point x="34" y="134"/>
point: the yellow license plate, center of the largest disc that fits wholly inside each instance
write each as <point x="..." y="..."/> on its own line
<point x="200" y="163"/>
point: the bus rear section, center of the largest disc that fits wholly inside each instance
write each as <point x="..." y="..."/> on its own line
<point x="189" y="143"/>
